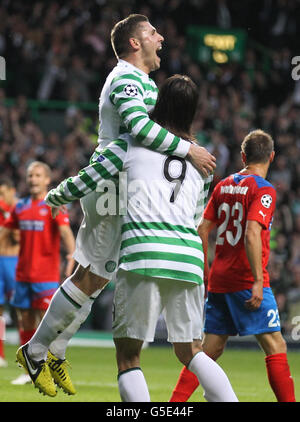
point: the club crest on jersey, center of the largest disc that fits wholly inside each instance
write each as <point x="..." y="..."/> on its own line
<point x="266" y="200"/>
<point x="131" y="90"/>
<point x="43" y="211"/>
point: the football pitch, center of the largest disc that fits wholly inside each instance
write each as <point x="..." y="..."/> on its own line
<point x="94" y="375"/>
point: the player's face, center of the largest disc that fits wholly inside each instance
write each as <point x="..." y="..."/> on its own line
<point x="7" y="194"/>
<point x="151" y="43"/>
<point x="37" y="181"/>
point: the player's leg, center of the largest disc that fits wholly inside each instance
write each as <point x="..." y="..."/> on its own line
<point x="184" y="315"/>
<point x="3" y="362"/>
<point x="264" y="323"/>
<point x="214" y="344"/>
<point x="277" y="366"/>
<point x="137" y="306"/>
<point x="97" y="251"/>
<point x="7" y="287"/>
<point x="62" y="311"/>
<point x="37" y="301"/>
<point x="131" y="380"/>
<point x="217" y="320"/>
<point x="211" y="376"/>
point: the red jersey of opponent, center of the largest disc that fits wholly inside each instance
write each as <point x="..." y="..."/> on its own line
<point x="4" y="212"/>
<point x="39" y="256"/>
<point x="236" y="199"/>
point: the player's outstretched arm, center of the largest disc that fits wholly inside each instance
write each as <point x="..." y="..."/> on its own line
<point x="133" y="112"/>
<point x="108" y="164"/>
<point x="253" y="248"/>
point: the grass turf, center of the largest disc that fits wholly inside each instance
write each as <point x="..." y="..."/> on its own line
<point x="94" y="375"/>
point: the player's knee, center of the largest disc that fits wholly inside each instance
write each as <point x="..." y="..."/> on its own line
<point x="272" y="343"/>
<point x="278" y="346"/>
<point x="184" y="352"/>
<point x="213" y="351"/>
<point x="86" y="281"/>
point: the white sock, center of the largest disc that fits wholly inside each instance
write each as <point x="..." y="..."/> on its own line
<point x="62" y="310"/>
<point x="133" y="386"/>
<point x="213" y="379"/>
<point x="59" y="346"/>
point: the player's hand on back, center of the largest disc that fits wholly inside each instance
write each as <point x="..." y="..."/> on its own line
<point x="202" y="159"/>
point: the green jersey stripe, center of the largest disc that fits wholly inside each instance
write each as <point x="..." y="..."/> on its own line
<point x="113" y="158"/>
<point x="87" y="180"/>
<point x="73" y="189"/>
<point x="150" y="101"/>
<point x="173" y="145"/>
<point x="52" y="200"/>
<point x="169" y="273"/>
<point x="144" y="131"/>
<point x="157" y="226"/>
<point x="159" y="139"/>
<point x="61" y="192"/>
<point x="165" y="240"/>
<point x="126" y="76"/>
<point x="162" y="256"/>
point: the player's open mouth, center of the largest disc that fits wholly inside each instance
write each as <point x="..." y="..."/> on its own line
<point x="158" y="51"/>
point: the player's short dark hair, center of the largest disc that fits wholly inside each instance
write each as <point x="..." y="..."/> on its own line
<point x="257" y="146"/>
<point x="122" y="31"/>
<point x="6" y="181"/>
<point x="176" y="105"/>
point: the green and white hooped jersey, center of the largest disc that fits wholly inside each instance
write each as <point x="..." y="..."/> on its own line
<point x="165" y="199"/>
<point x="127" y="97"/>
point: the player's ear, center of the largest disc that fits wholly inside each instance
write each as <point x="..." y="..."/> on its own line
<point x="134" y="43"/>
<point x="243" y="156"/>
<point x="272" y="156"/>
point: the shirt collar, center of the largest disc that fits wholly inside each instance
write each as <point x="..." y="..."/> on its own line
<point x="125" y="63"/>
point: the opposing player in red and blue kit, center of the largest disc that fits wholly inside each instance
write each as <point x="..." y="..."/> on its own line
<point x="38" y="268"/>
<point x="9" y="248"/>
<point x="240" y="300"/>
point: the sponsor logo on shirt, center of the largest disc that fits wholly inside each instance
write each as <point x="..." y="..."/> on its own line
<point x="32" y="225"/>
<point x="262" y="214"/>
<point x="242" y="190"/>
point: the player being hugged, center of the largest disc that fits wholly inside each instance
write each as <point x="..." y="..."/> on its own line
<point x="240" y="300"/>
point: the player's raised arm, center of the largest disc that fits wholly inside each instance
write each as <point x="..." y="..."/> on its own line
<point x="136" y="44"/>
<point x="127" y="94"/>
<point x="109" y="164"/>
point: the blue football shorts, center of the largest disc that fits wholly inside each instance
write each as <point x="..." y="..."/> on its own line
<point x="8" y="266"/>
<point x="33" y="295"/>
<point x="225" y="313"/>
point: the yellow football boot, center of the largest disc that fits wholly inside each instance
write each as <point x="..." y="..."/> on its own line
<point x="39" y="372"/>
<point x="59" y="372"/>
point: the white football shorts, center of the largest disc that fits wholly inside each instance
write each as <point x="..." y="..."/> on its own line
<point x="139" y="300"/>
<point x="98" y="239"/>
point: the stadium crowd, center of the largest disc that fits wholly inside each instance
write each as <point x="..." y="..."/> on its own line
<point x="61" y="50"/>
